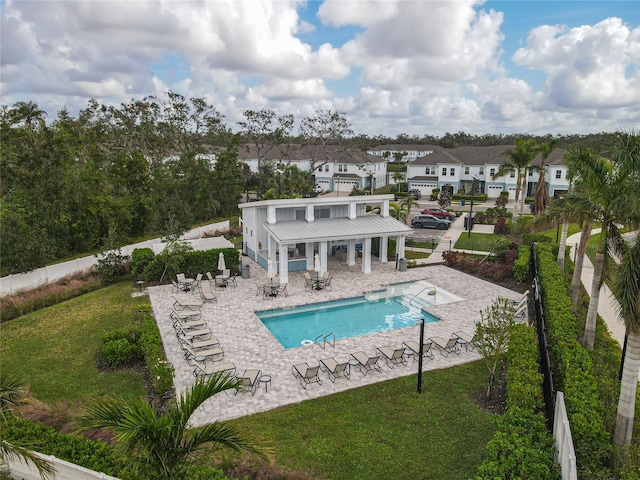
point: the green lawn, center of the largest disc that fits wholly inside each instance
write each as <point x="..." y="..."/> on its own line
<point x="385" y="430"/>
<point x="483" y="242"/>
<point x="56" y="348"/>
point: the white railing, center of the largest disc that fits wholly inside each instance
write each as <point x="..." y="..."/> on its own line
<point x="63" y="470"/>
<point x="51" y="273"/>
<point x="564" y="443"/>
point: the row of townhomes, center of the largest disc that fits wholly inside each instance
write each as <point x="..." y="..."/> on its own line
<point x="454" y="169"/>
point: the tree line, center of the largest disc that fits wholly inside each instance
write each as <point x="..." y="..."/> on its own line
<point x="112" y="174"/>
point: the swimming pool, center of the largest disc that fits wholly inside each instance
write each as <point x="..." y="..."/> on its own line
<point x="398" y="306"/>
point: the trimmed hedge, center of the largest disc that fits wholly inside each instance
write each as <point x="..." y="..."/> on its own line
<point x="193" y="263"/>
<point x="573" y="370"/>
<point x="522" y="447"/>
<point x="521" y="265"/>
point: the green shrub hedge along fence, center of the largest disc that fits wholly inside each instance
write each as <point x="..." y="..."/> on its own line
<point x="522" y="447"/>
<point x="573" y="372"/>
<point x="190" y="263"/>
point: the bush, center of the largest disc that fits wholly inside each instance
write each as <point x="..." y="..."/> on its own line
<point x="111" y="265"/>
<point x="140" y="258"/>
<point x="522" y="264"/>
<point x="117" y="353"/>
<point x="501" y="226"/>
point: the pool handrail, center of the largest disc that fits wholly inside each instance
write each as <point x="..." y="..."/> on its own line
<point x="324" y="340"/>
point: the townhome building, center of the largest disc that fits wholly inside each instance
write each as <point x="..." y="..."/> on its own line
<point x="454" y="170"/>
<point x="334" y="167"/>
<point x="402" y="152"/>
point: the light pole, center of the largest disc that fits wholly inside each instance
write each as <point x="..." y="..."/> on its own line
<point x="420" y="352"/>
<point x="474" y="185"/>
<point x="338" y="185"/>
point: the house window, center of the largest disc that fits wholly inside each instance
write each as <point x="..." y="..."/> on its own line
<point x="322" y="213"/>
<point x="342" y="168"/>
<point x="512" y="174"/>
<point x="444" y="171"/>
<point x="492" y="171"/>
<point x="326" y="167"/>
<point x="481" y="171"/>
<point x="558" y="173"/>
<point x="531" y="173"/>
<point x="452" y="172"/>
<point x="466" y="170"/>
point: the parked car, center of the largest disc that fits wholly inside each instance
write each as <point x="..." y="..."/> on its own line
<point x="318" y="189"/>
<point x="415" y="193"/>
<point x="424" y="221"/>
<point x="440" y="213"/>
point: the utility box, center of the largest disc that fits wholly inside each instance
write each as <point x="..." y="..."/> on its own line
<point x="463" y="202"/>
<point x="245" y="271"/>
<point x="402" y="264"/>
<point x="469" y="218"/>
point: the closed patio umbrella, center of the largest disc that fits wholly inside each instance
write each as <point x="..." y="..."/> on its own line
<point x="221" y="265"/>
<point x="271" y="269"/>
<point x="316" y="265"/>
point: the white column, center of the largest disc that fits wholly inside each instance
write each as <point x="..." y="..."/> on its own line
<point x="310" y="212"/>
<point x="351" y="252"/>
<point x="271" y="214"/>
<point x="309" y="253"/>
<point x="366" y="255"/>
<point x="384" y="209"/>
<point x="271" y="248"/>
<point x="322" y="253"/>
<point x="352" y="210"/>
<point x="284" y="263"/>
<point x="384" y="245"/>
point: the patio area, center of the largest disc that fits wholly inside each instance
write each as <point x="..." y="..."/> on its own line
<point x="249" y="344"/>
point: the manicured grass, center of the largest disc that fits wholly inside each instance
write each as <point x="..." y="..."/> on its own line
<point x="477" y="241"/>
<point x="553" y="232"/>
<point x="56" y="348"/>
<point x="385" y="430"/>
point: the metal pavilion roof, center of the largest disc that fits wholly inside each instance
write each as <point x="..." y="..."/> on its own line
<point x="326" y="229"/>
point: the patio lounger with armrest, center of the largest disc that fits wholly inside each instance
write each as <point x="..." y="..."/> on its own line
<point x="191" y="332"/>
<point x="198" y="345"/>
<point x="249" y="381"/>
<point x="465" y="339"/>
<point x="446" y="346"/>
<point x="214" y="353"/>
<point x="427" y="351"/>
<point x="334" y="369"/>
<point x="197" y="284"/>
<point x="190" y="323"/>
<point x="393" y="356"/>
<point x="367" y="363"/>
<point x="184" y="315"/>
<point x="201" y="368"/>
<point x="306" y="374"/>
<point x="206" y="293"/>
<point x="181" y="303"/>
<point x="521" y="313"/>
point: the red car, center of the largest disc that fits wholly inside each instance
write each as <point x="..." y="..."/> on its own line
<point x="439" y="213"/>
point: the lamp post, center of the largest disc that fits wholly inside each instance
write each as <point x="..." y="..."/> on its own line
<point x="474" y="185"/>
<point x="420" y="352"/>
<point x="338" y="185"/>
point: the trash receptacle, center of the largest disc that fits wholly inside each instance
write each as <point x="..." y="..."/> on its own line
<point x="463" y="202"/>
<point x="402" y="264"/>
<point x="245" y="271"/>
<point x="468" y="219"/>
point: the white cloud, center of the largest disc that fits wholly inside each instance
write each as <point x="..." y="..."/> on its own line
<point x="587" y="67"/>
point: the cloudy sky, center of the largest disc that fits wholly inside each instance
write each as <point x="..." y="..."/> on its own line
<point x="394" y="66"/>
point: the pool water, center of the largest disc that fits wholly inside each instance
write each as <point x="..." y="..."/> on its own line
<point x="299" y="326"/>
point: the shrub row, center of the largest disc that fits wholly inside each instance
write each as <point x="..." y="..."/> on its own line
<point x="22" y="303"/>
<point x="189" y="263"/>
<point x="522" y="446"/>
<point x="573" y="371"/>
<point x="522" y="264"/>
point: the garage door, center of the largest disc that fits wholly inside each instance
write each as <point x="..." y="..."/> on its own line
<point x="494" y="191"/>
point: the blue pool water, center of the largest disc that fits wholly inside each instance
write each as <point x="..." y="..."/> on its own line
<point x="297" y="326"/>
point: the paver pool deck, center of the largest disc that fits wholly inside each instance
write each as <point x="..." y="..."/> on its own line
<point x="248" y="344"/>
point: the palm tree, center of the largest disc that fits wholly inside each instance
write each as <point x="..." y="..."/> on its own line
<point x="398" y="177"/>
<point x="541" y="194"/>
<point x="11" y="393"/>
<point x="519" y="160"/>
<point x="627" y="290"/>
<point x="608" y="191"/>
<point x="397" y="211"/>
<point x="406" y="204"/>
<point x="163" y="446"/>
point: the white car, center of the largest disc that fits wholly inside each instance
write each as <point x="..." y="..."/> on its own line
<point x="318" y="189"/>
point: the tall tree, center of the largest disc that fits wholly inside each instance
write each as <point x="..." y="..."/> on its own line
<point x="519" y="160"/>
<point x="627" y="291"/>
<point x="326" y="127"/>
<point x="541" y="193"/>
<point x="164" y="446"/>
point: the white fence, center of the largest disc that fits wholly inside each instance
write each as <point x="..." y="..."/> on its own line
<point x="564" y="443"/>
<point x="64" y="470"/>
<point x="26" y="281"/>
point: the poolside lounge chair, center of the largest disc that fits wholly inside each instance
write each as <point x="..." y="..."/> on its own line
<point x="202" y="368"/>
<point x="249" y="381"/>
<point x="214" y="353"/>
<point x="446" y="346"/>
<point x="306" y="374"/>
<point x="206" y="293"/>
<point x="174" y="286"/>
<point x="366" y="363"/>
<point x="465" y="339"/>
<point x="182" y="282"/>
<point x="427" y="351"/>
<point x="191" y="333"/>
<point x="327" y="283"/>
<point x="232" y="280"/>
<point x="393" y="356"/>
<point x="184" y="315"/>
<point x="334" y="369"/>
<point x="198" y="345"/>
<point x="521" y="300"/>
<point x="282" y="288"/>
<point x="199" y="323"/>
<point x="181" y="303"/>
<point x="219" y="282"/>
<point x="520" y="314"/>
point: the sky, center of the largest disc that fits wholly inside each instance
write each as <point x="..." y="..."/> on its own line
<point x="413" y="67"/>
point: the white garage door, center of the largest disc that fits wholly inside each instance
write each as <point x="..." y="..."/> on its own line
<point x="494" y="191"/>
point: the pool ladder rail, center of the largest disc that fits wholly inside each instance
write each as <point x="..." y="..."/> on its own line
<point x="324" y="340"/>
